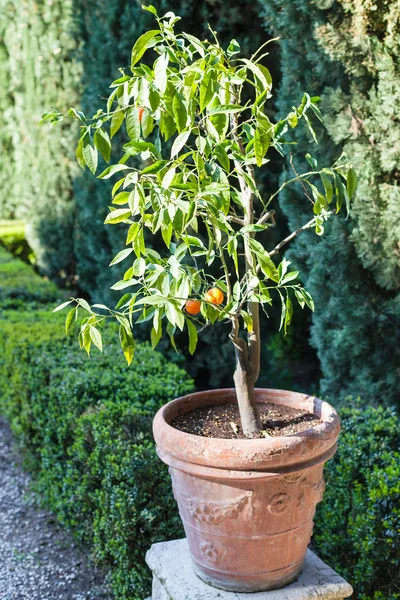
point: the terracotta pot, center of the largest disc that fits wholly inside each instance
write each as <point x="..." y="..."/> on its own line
<point x="247" y="506"/>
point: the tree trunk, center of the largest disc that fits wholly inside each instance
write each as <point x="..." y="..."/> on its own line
<point x="244" y="386"/>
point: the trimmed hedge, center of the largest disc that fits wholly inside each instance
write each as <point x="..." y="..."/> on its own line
<point x="85" y="428"/>
<point x="20" y="285"/>
<point x="357" y="526"/>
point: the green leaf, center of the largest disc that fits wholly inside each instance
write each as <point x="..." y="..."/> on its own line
<point x="179" y="143"/>
<point x="193" y="335"/>
<point x="127" y="343"/>
<point x="121" y="285"/>
<point x="79" y="154"/>
<point x="155" y="167"/>
<point x="95" y="336"/>
<point x="171" y="331"/>
<point x="179" y="111"/>
<point x="142" y="44"/>
<point x="71" y="319"/>
<point x="85" y="337"/>
<point x="248" y="321"/>
<point x="150" y="8"/>
<point x="328" y="187"/>
<point x="116" y="186"/>
<point x="233" y="48"/>
<point x="123" y="300"/>
<point x="268" y="267"/>
<point x="222" y="157"/>
<point x="260" y="72"/>
<point x="160" y="72"/>
<point x="168" y="178"/>
<point x="61" y="306"/>
<point x="167" y="126"/>
<point x="351" y="183"/>
<point x="121" y="198"/>
<point x="117" y="216"/>
<point x="155" y="336"/>
<point x="308" y="299"/>
<point x="90" y="156"/>
<point x="227" y="109"/>
<point x="289" y="277"/>
<point x="262" y="141"/>
<point x="340" y="190"/>
<point x="288" y="314"/>
<point x="208" y="88"/>
<point x="103" y="143"/>
<point x="299" y="297"/>
<point x="121" y="256"/>
<point x="116" y="121"/>
<point x="195" y="42"/>
<point x="82" y="302"/>
<point x="133" y="232"/>
<point x="107" y="173"/>
<point x="133" y="124"/>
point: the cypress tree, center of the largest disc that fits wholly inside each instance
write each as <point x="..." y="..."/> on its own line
<point x="350" y="57"/>
<point x="38" y="57"/>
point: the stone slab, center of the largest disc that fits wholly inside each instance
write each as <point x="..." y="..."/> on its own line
<point x="174" y="579"/>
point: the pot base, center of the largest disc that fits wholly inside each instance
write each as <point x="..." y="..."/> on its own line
<point x="262" y="583"/>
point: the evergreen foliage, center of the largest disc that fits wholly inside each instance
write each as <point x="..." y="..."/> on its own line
<point x="350" y="58"/>
<point x="21" y="287"/>
<point x="38" y="60"/>
<point x="357" y="525"/>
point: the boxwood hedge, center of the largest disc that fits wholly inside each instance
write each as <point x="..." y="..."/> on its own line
<point x="85" y="428"/>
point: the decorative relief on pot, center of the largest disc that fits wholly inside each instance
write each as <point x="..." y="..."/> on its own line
<point x="289" y="479"/>
<point x="209" y="552"/>
<point x="319" y="488"/>
<point x="279" y="503"/>
<point x="217" y="512"/>
<point x="300" y="500"/>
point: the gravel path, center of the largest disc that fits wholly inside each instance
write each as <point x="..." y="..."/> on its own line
<point x="38" y="559"/>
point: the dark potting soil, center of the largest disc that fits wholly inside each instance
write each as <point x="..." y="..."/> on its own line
<point x="224" y="421"/>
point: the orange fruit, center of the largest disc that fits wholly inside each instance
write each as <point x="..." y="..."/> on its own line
<point x="193" y="307"/>
<point x="140" y="110"/>
<point x="214" y="296"/>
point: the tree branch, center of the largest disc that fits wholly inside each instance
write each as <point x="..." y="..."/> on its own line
<point x="268" y="215"/>
<point x="290" y="237"/>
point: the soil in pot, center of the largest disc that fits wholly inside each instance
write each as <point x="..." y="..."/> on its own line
<point x="223" y="421"/>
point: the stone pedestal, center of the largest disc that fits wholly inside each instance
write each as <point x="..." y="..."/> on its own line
<point x="174" y="579"/>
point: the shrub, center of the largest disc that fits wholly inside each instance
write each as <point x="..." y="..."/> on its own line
<point x="85" y="427"/>
<point x="357" y="527"/>
<point x="20" y="285"/>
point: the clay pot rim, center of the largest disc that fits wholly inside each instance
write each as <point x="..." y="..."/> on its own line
<point x="270" y="453"/>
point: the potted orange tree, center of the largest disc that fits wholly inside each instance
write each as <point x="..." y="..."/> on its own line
<point x="246" y="463"/>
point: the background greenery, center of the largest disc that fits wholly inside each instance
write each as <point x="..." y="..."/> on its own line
<point x="350" y="57"/>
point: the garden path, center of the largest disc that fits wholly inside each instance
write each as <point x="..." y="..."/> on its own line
<point x="38" y="559"/>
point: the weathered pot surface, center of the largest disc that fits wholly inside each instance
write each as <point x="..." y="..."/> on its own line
<point x="247" y="506"/>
